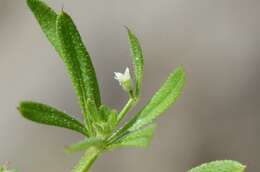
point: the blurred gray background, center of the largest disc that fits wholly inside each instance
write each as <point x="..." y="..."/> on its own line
<point x="217" y="117"/>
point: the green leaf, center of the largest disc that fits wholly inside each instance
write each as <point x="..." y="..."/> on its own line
<point x="46" y="17"/>
<point x="87" y="160"/>
<point x="105" y="112"/>
<point x="163" y="99"/>
<point x="106" y="122"/>
<point x="220" y="166"/>
<point x="45" y="114"/>
<point x="84" y="145"/>
<point x="108" y="115"/>
<point x="139" y="138"/>
<point x="78" y="61"/>
<point x="112" y="120"/>
<point x="138" y="60"/>
<point x="84" y="79"/>
<point x="92" y="111"/>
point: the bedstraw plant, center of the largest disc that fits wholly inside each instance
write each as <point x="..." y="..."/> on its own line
<point x="100" y="124"/>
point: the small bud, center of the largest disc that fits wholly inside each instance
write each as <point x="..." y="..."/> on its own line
<point x="124" y="80"/>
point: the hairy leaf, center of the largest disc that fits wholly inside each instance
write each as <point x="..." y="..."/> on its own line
<point x="138" y="138"/>
<point x="45" y="114"/>
<point x="138" y="60"/>
<point x="220" y="166"/>
<point x="92" y="111"/>
<point x="78" y="61"/>
<point x="163" y="99"/>
<point x="84" y="145"/>
<point x="46" y="17"/>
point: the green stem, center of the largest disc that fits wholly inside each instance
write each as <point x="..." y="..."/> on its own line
<point x="87" y="160"/>
<point x="126" y="108"/>
<point x="130" y="104"/>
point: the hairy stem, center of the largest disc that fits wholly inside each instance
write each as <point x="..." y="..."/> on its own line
<point x="87" y="160"/>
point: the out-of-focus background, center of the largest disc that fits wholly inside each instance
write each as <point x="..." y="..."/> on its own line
<point x="217" y="117"/>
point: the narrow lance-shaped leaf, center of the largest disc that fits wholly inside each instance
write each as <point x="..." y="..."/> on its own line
<point x="162" y="100"/>
<point x="46" y="17"/>
<point x="45" y="114"/>
<point x="84" y="145"/>
<point x="138" y="60"/>
<point x="220" y="166"/>
<point x="78" y="61"/>
<point x="139" y="138"/>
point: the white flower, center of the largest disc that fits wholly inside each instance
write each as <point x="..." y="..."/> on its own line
<point x="123" y="77"/>
<point x="124" y="80"/>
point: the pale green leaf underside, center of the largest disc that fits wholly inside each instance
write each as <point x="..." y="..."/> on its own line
<point x="45" y="114"/>
<point x="140" y="138"/>
<point x="138" y="60"/>
<point x="84" y="145"/>
<point x="220" y="166"/>
<point x="162" y="100"/>
<point x="78" y="61"/>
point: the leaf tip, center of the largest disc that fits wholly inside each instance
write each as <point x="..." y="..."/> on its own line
<point x="20" y="106"/>
<point x="127" y="28"/>
<point x="62" y="14"/>
<point x="181" y="68"/>
<point x="181" y="71"/>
